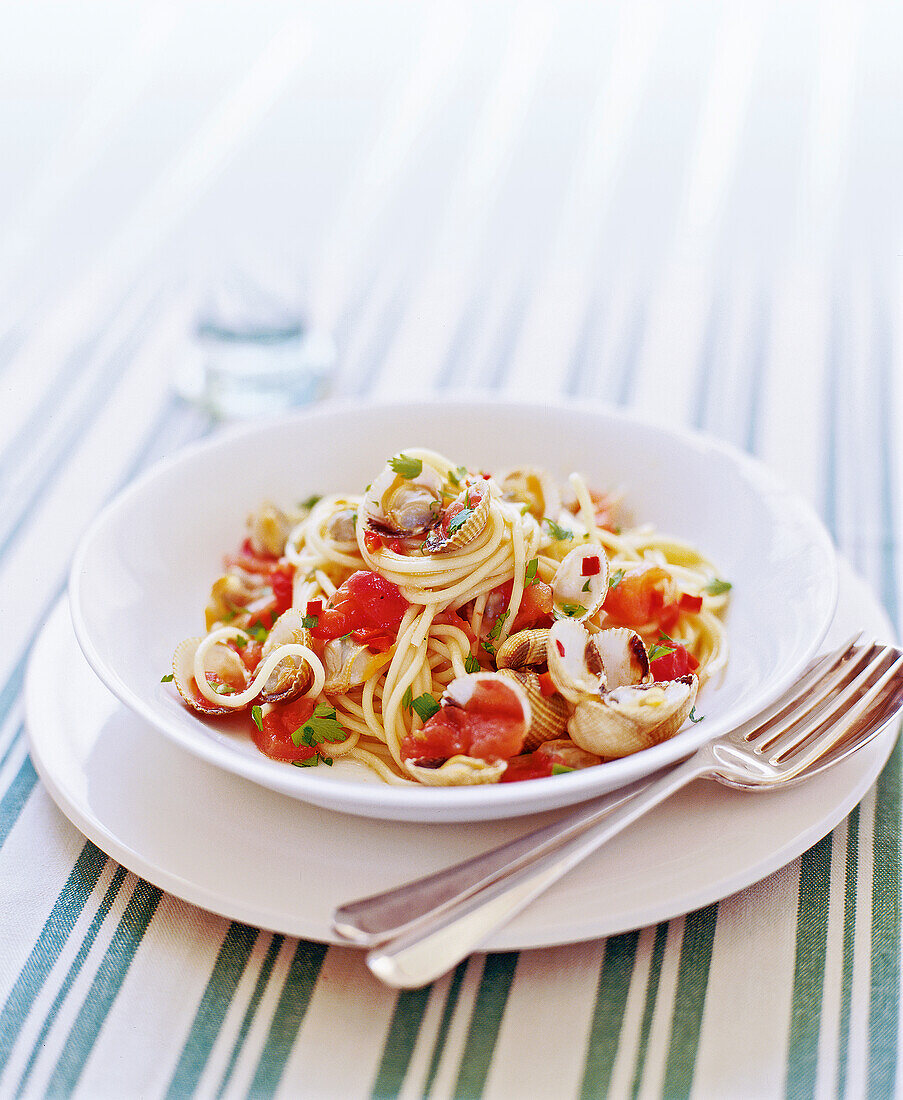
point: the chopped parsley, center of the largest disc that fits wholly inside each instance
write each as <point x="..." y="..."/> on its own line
<point x="561" y="769"/>
<point x="459" y="520"/>
<point x="425" y="705"/>
<point x="312" y="761"/>
<point x="167" y="679"/>
<point x="585" y="588"/>
<point x="258" y="632"/>
<point x="257" y="715"/>
<point x="406" y="467"/>
<point x="657" y="650"/>
<point x="456" y="476"/>
<point x="323" y="725"/>
<point x="499" y="623"/>
<point x="489" y="647"/>
<point x="470" y="665"/>
<point x="693" y="717"/>
<point x="530" y="574"/>
<point x="239" y="642"/>
<point x="616" y="578"/>
<point x="572" y="609"/>
<point x="309" y="622"/>
<point x="407" y="699"/>
<point x="717" y="587"/>
<point x="222" y="688"/>
<point x="556" y="531"/>
<point x="310" y="502"/>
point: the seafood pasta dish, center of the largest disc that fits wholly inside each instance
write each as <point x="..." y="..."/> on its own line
<point x="454" y="626"/>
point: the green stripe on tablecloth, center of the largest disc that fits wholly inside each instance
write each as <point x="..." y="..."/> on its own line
<point x="448" y="1010"/>
<point x="884" y="997"/>
<point x="608" y="1014"/>
<point x="849" y="946"/>
<point x="303" y="972"/>
<point x="230" y="964"/>
<point x="809" y="971"/>
<point x="655" y="969"/>
<point x="104" y="989"/>
<point x="15" y="797"/>
<point x="66" y="911"/>
<point x="689" y="999"/>
<point x="489" y="1007"/>
<point x="74" y="970"/>
<point x="266" y="969"/>
<point x="407" y="1019"/>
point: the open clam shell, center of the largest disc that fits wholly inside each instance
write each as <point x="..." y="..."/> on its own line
<point x="222" y="663"/>
<point x="458" y="771"/>
<point x="535" y="488"/>
<point x="571" y="755"/>
<point x="580" y="584"/>
<point x="630" y="719"/>
<point x="549" y="713"/>
<point x="268" y="530"/>
<point x="403" y="507"/>
<point x="292" y="676"/>
<point x="473" y="519"/>
<point x="349" y="664"/>
<point x="575" y="663"/>
<point x="624" y="657"/>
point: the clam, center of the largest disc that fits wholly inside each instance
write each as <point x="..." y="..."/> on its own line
<point x="633" y="718"/>
<point x="268" y="529"/>
<point x="575" y="663"/>
<point x="341" y="525"/>
<point x="349" y="664"/>
<point x="523" y="649"/>
<point x="624" y="657"/>
<point x="404" y="507"/>
<point x="229" y="595"/>
<point x="533" y="487"/>
<point x="549" y="713"/>
<point x="458" y="771"/>
<point x="465" y="524"/>
<point x="292" y="676"/>
<point x="580" y="584"/>
<point x="224" y="667"/>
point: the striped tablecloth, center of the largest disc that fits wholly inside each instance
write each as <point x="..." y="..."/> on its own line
<point x="693" y="210"/>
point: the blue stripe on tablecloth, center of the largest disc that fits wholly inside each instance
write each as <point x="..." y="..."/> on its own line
<point x="655" y="969"/>
<point x="615" y="976"/>
<point x="849" y="946"/>
<point x="884" y="1000"/>
<point x="108" y="979"/>
<point x="404" y="1028"/>
<point x="57" y="928"/>
<point x="288" y="1017"/>
<point x="74" y="970"/>
<point x="448" y="1010"/>
<point x="485" y="1021"/>
<point x="263" y="977"/>
<point x="16" y="795"/>
<point x="231" y="961"/>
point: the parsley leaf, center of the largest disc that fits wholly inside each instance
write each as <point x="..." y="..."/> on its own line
<point x="572" y="609"/>
<point x="222" y="688"/>
<point x="257" y="715"/>
<point x="560" y="769"/>
<point x="693" y="717"/>
<point x="489" y="647"/>
<point x="459" y="520"/>
<point x="471" y="664"/>
<point x="310" y="762"/>
<point x="557" y="532"/>
<point x="530" y="574"/>
<point x="657" y="650"/>
<point x="406" y="467"/>
<point x="309" y="622"/>
<point x="167" y="679"/>
<point x="323" y="725"/>
<point x="258" y="632"/>
<point x="407" y="699"/>
<point x="717" y="587"/>
<point x="499" y="623"/>
<point x="310" y="502"/>
<point x="585" y="588"/>
<point x="616" y="578"/>
<point x="425" y="705"/>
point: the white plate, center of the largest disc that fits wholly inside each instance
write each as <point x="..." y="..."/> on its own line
<point x="253" y="855"/>
<point x="141" y="577"/>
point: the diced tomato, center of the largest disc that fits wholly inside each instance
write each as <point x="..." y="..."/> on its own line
<point x="366" y="605"/>
<point x="671" y="666"/>
<point x="591" y="567"/>
<point x="281" y="582"/>
<point x="531" y="766"/>
<point x="490" y="728"/>
<point x="535" y="607"/>
<point x="279" y="723"/>
<point x="645" y="595"/>
<point x="693" y="604"/>
<point x="547" y="684"/>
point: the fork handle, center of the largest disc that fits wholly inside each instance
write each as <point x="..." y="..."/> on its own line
<point x="439" y="942"/>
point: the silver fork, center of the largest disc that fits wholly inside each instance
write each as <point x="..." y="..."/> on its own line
<point x="426" y="927"/>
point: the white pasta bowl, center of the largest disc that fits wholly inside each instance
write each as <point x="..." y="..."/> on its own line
<point x="142" y="573"/>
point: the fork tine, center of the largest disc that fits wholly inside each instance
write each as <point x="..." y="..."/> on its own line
<point x="813" y="701"/>
<point x="823" y="670"/>
<point x="817" y="734"/>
